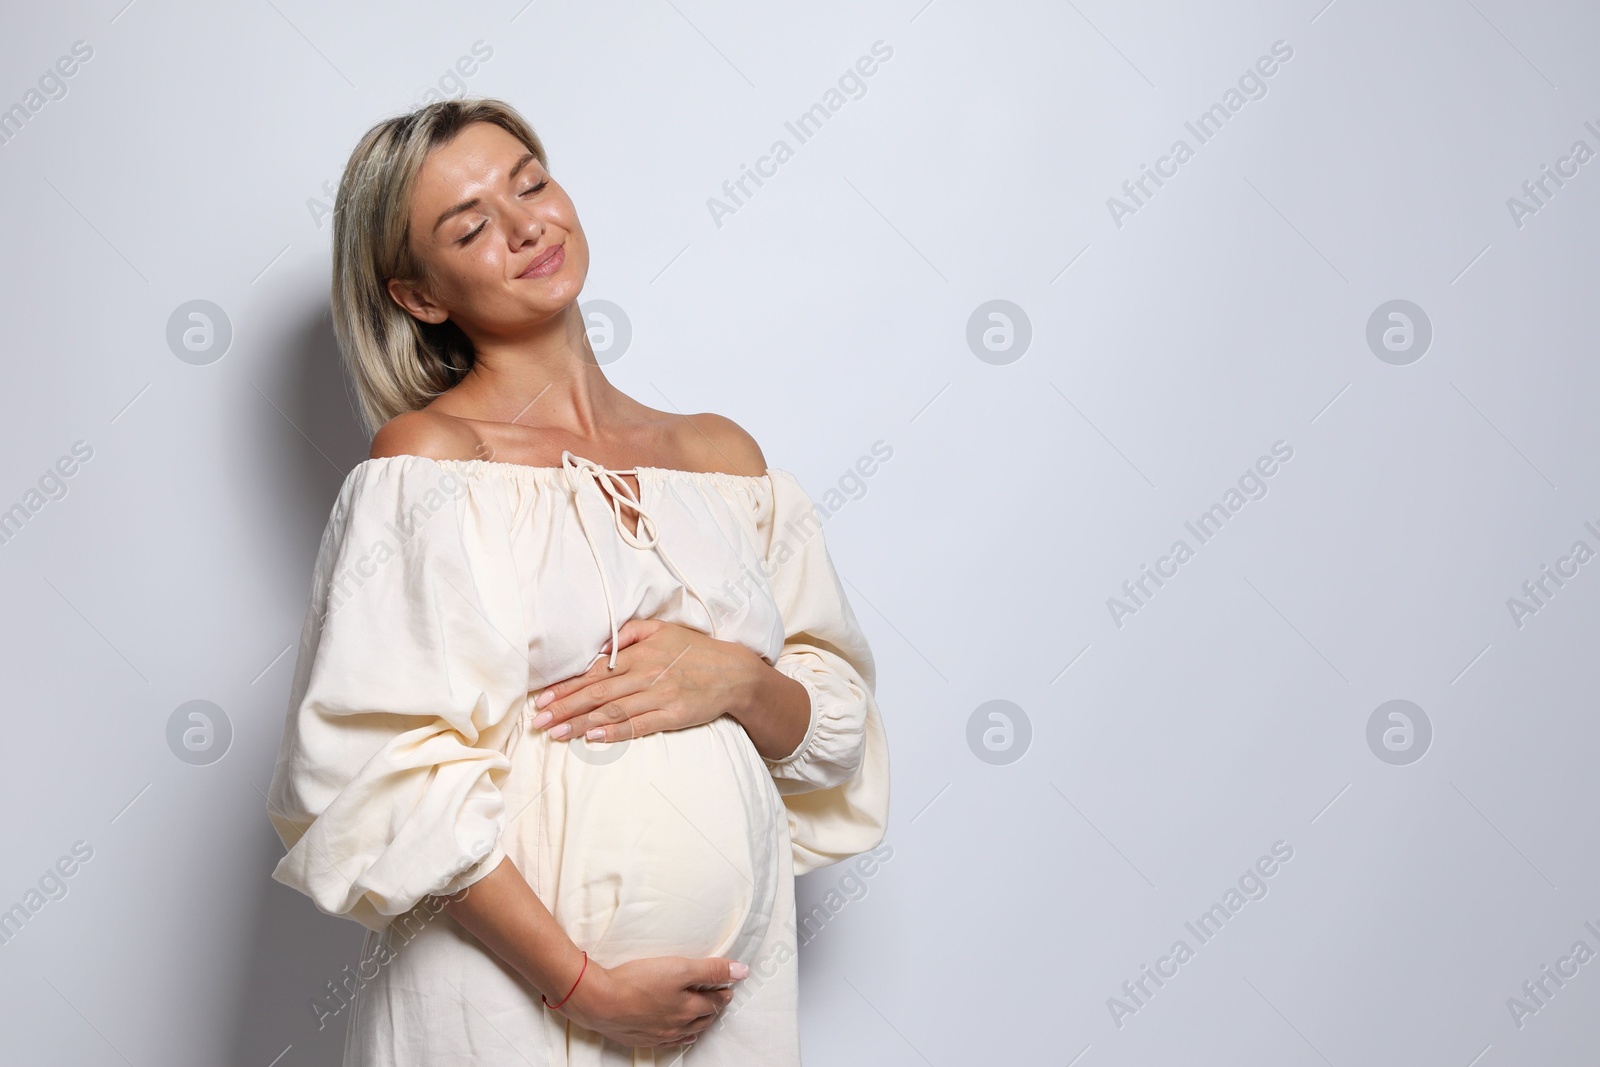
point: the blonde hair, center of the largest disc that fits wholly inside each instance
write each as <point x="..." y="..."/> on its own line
<point x="396" y="362"/>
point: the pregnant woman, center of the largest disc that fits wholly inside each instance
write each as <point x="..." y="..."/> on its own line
<point x="578" y="692"/>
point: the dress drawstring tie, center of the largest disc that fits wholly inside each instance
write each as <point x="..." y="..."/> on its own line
<point x="618" y="495"/>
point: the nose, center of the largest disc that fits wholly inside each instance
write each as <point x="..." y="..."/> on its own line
<point x="527" y="226"/>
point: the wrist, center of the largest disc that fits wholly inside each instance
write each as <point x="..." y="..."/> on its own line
<point x="592" y="994"/>
<point x="751" y="680"/>
<point x="581" y="972"/>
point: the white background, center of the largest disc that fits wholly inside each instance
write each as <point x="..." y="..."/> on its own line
<point x="186" y="161"/>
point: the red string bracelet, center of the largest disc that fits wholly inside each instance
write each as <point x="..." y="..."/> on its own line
<point x="575" y="982"/>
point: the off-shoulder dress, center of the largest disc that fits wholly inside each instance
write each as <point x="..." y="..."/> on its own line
<point x="446" y="594"/>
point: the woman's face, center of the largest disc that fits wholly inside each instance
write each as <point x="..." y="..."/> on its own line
<point x="483" y="212"/>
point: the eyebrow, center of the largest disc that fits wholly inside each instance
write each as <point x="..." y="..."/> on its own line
<point x="468" y="205"/>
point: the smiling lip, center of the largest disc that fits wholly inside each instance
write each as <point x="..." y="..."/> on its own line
<point x="549" y="264"/>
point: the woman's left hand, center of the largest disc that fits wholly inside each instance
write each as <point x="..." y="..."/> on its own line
<point x="667" y="677"/>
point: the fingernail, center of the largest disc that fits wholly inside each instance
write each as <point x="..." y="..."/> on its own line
<point x="738" y="971"/>
<point x="541" y="719"/>
<point x="561" y="731"/>
<point x="597" y="734"/>
<point x="544" y="698"/>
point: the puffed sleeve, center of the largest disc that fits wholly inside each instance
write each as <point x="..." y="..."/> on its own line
<point x="836" y="782"/>
<point x="412" y="670"/>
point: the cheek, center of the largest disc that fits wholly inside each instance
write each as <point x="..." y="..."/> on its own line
<point x="473" y="277"/>
<point x="488" y="254"/>
<point x="563" y="216"/>
<point x="578" y="263"/>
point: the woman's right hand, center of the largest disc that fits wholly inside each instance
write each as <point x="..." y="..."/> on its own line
<point x="654" y="1002"/>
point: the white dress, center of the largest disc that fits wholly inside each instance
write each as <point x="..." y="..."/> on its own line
<point x="446" y="595"/>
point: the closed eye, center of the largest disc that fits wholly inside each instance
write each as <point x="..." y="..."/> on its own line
<point x="529" y="191"/>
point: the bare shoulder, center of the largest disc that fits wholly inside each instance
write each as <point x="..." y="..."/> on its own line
<point x="723" y="445"/>
<point x="426" y="433"/>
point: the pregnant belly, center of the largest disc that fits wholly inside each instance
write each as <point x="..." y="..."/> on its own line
<point x="665" y="845"/>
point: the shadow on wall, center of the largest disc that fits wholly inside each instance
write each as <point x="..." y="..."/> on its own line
<point x="299" y="439"/>
<point x="297" y="951"/>
<point x="316" y="396"/>
<point x="308" y="437"/>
